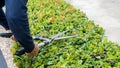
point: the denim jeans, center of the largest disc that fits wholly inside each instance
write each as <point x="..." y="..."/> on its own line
<point x="16" y="20"/>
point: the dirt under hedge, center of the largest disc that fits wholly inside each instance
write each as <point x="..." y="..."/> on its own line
<point x="89" y="49"/>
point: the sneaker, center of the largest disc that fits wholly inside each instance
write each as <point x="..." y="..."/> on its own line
<point x="20" y="52"/>
<point x="6" y="35"/>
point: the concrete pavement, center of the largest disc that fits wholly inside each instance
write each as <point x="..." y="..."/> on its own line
<point x="5" y="47"/>
<point x="103" y="12"/>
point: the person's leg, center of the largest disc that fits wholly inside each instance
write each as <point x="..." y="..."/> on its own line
<point x="3" y="20"/>
<point x="16" y="13"/>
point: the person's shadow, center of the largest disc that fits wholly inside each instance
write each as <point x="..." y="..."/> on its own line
<point x="3" y="63"/>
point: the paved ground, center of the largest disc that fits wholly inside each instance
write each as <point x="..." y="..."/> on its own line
<point x="103" y="12"/>
<point x="5" y="46"/>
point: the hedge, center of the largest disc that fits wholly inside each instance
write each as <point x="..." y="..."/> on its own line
<point x="89" y="49"/>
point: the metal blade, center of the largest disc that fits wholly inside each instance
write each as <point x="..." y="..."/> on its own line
<point x="40" y="38"/>
<point x="43" y="43"/>
<point x="64" y="37"/>
<point x="58" y="35"/>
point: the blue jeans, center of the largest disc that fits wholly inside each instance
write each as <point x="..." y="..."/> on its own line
<point x="17" y="21"/>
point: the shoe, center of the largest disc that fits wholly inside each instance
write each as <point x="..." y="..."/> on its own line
<point x="34" y="52"/>
<point x="6" y="35"/>
<point x="20" y="52"/>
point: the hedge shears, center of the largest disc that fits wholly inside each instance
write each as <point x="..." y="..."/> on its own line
<point x="55" y="37"/>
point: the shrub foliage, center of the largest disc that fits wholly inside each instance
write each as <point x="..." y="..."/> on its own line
<point x="89" y="49"/>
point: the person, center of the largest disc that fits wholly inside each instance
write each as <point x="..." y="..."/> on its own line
<point x="15" y="21"/>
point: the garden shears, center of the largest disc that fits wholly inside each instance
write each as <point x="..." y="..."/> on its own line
<point x="48" y="40"/>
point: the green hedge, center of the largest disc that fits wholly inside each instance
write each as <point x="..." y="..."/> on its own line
<point x="89" y="49"/>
